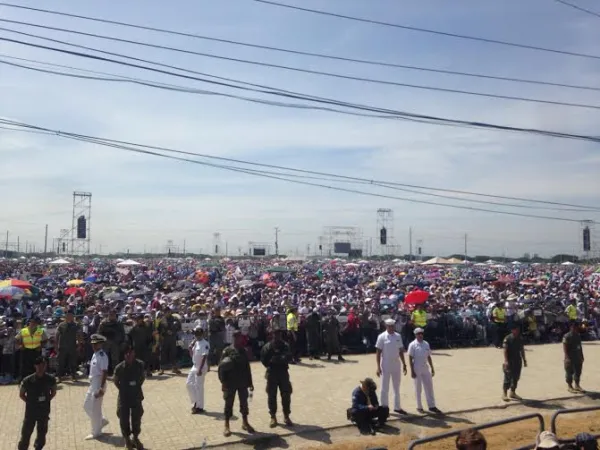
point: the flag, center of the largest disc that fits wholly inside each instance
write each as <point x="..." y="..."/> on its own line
<point x="319" y="274"/>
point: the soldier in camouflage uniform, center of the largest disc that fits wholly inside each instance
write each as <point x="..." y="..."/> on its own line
<point x="514" y="361"/>
<point x="573" y="357"/>
<point x="236" y="377"/>
<point x="276" y="356"/>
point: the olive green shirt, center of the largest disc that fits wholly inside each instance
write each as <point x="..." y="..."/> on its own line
<point x="572" y="342"/>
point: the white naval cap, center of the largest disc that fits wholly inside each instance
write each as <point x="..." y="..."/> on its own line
<point x="390" y="322"/>
<point x="419" y="330"/>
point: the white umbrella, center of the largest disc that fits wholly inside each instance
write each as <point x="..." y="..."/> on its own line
<point x="128" y="262"/>
<point x="59" y="261"/>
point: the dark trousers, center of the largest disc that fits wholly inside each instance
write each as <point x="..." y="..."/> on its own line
<point x="130" y="419"/>
<point x="168" y="353"/>
<point x="499" y="334"/>
<point x="67" y="357"/>
<point x="512" y="376"/>
<point x="113" y="350"/>
<point x="573" y="371"/>
<point x="364" y="418"/>
<point x="8" y="366"/>
<point x="28" y="357"/>
<point x="281" y="382"/>
<point x="29" y="423"/>
<point x="293" y="341"/>
<point x="229" y="397"/>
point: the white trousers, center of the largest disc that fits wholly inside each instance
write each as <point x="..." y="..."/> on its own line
<point x="93" y="406"/>
<point x="424" y="381"/>
<point x="392" y="374"/>
<point x="195" y="388"/>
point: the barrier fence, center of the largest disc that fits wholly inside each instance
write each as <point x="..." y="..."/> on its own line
<point x="438" y="437"/>
<point x="564" y="412"/>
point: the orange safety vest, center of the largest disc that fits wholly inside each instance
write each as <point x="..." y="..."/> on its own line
<point x="30" y="341"/>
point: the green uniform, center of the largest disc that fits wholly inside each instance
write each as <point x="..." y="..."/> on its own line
<point x="574" y="366"/>
<point x="129" y="379"/>
<point x="514" y="348"/>
<point x="235" y="379"/>
<point x="38" y="391"/>
<point x="275" y="356"/>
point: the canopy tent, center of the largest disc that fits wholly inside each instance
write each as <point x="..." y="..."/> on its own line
<point x="567" y="263"/>
<point x="516" y="263"/>
<point x="436" y="261"/>
<point x="128" y="262"/>
<point x="60" y="261"/>
<point x="455" y="261"/>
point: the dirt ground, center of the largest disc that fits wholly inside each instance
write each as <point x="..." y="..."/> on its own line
<point x="505" y="437"/>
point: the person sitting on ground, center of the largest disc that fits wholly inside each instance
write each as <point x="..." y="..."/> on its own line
<point x="470" y="439"/>
<point x="365" y="411"/>
<point x="585" y="441"/>
<point x="547" y="441"/>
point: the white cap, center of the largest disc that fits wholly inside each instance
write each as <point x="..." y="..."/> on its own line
<point x="419" y="330"/>
<point x="390" y="322"/>
<point x="547" y="439"/>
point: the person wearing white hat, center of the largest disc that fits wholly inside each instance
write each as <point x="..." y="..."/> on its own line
<point x="195" y="380"/>
<point x="547" y="440"/>
<point x="390" y="351"/>
<point x="97" y="389"/>
<point x="419" y="354"/>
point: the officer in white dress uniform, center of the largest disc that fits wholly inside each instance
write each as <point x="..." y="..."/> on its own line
<point x="390" y="351"/>
<point x="419" y="354"/>
<point x="195" y="380"/>
<point x="97" y="389"/>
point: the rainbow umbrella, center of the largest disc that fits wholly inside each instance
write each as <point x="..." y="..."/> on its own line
<point x="11" y="292"/>
<point x="15" y="283"/>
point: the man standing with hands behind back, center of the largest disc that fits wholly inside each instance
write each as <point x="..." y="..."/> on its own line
<point x="419" y="353"/>
<point x="390" y="351"/>
<point x="95" y="393"/>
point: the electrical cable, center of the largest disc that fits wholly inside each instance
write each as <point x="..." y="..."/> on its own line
<point x="309" y="71"/>
<point x="130" y="147"/>
<point x="298" y="52"/>
<point x="426" y="30"/>
<point x="290" y="94"/>
<point x="589" y="11"/>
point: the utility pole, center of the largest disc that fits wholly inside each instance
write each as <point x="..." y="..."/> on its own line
<point x="18" y="244"/>
<point x="276" y="241"/>
<point x="184" y="247"/>
<point x="226" y="248"/>
<point x="410" y="252"/>
<point x="466" y="237"/>
<point x="46" y="241"/>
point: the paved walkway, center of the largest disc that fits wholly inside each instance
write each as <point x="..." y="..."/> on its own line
<point x="466" y="379"/>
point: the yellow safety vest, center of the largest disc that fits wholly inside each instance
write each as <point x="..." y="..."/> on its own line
<point x="292" y="322"/>
<point x="34" y="341"/>
<point x="419" y="318"/>
<point x="572" y="312"/>
<point x="499" y="315"/>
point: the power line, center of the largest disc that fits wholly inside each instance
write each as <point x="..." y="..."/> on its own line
<point x="291" y="94"/>
<point x="589" y="11"/>
<point x="298" y="52"/>
<point x="131" y="147"/>
<point x="308" y="71"/>
<point x="426" y="30"/>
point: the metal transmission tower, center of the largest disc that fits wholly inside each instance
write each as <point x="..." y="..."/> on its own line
<point x="217" y="243"/>
<point x="385" y="231"/>
<point x="590" y="240"/>
<point x="81" y="223"/>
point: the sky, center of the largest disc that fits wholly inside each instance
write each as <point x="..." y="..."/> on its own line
<point x="140" y="202"/>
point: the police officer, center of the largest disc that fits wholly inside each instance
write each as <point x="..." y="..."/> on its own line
<point x="37" y="390"/>
<point x="236" y="377"/>
<point x="140" y="338"/>
<point x="66" y="343"/>
<point x="499" y="321"/>
<point x="514" y="360"/>
<point x="199" y="351"/>
<point x="31" y="340"/>
<point x="275" y="356"/>
<point x="573" y="357"/>
<point x="292" y="327"/>
<point x="129" y="378"/>
<point x="95" y="394"/>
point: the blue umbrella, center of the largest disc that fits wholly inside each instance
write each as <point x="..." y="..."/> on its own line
<point x="91" y="279"/>
<point x="11" y="292"/>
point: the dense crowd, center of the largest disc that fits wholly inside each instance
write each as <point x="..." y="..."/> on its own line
<point x="325" y="307"/>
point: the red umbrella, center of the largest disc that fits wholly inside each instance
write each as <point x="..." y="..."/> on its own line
<point x="416" y="297"/>
<point x="75" y="291"/>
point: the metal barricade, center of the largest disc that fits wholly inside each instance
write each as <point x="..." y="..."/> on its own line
<point x="563" y="412"/>
<point x="497" y="423"/>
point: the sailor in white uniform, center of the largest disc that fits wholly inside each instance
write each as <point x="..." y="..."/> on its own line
<point x="419" y="353"/>
<point x="195" y="381"/>
<point x="390" y="351"/>
<point x="97" y="389"/>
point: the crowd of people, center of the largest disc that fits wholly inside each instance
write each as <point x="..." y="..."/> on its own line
<point x="99" y="316"/>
